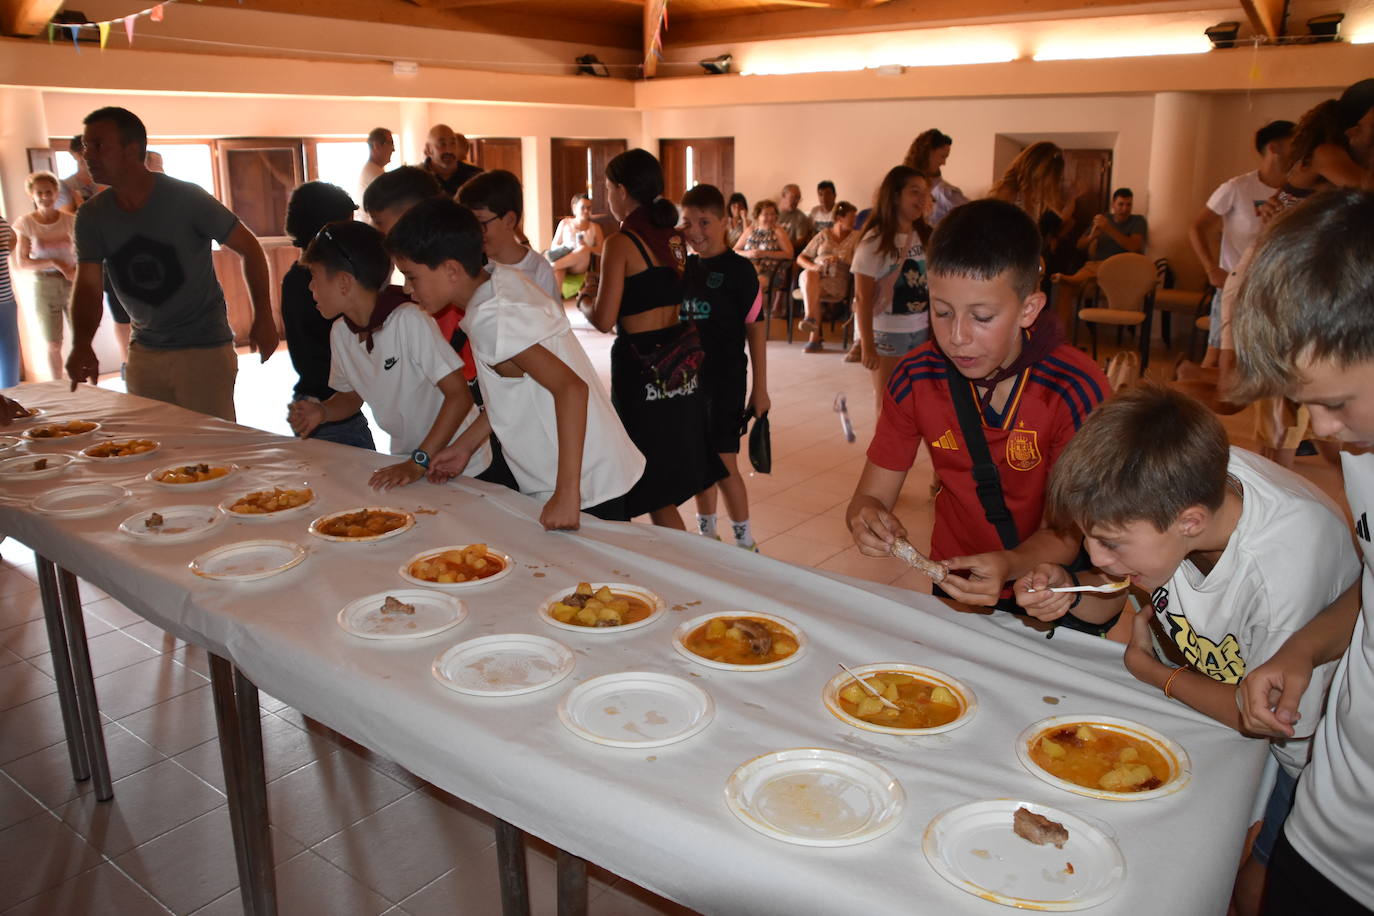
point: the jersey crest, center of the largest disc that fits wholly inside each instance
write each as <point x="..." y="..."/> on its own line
<point x="1023" y="449"/>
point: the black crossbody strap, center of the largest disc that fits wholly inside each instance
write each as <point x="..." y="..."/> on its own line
<point x="985" y="475"/>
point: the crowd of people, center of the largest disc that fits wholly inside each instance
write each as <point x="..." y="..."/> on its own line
<point x="1047" y="477"/>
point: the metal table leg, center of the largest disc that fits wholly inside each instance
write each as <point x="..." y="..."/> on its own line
<point x="572" y="884"/>
<point x="510" y="864"/>
<point x="245" y="781"/>
<point x="62" y="671"/>
<point x="70" y="601"/>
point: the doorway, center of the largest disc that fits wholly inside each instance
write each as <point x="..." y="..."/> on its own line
<point x="579" y="167"/>
<point x="688" y="163"/>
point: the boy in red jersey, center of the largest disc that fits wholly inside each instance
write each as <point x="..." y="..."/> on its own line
<point x="1025" y="392"/>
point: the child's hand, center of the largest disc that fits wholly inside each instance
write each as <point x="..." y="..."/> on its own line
<point x="874" y="529"/>
<point x="1032" y="592"/>
<point x="305" y="417"/>
<point x="1139" y="656"/>
<point x="1268" y="696"/>
<point x="561" y="512"/>
<point x="759" y="402"/>
<point x="868" y="355"/>
<point x="986" y="574"/>
<point x="395" y="475"/>
<point x="449" y="462"/>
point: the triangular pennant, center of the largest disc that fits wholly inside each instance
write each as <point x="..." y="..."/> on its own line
<point x="51" y="30"/>
<point x="76" y="42"/>
<point x="156" y="13"/>
<point x="129" y="28"/>
<point x="104" y="28"/>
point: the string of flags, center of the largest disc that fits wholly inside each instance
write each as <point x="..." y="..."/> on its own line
<point x="73" y="29"/>
<point x="660" y="17"/>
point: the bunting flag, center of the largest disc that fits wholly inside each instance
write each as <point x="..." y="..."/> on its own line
<point x="104" y="28"/>
<point x="76" y="42"/>
<point x="156" y="14"/>
<point x="129" y="29"/>
<point x="51" y="29"/>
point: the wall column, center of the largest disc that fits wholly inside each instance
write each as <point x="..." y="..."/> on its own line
<point x="1175" y="161"/>
<point x="414" y="131"/>
<point x="23" y="124"/>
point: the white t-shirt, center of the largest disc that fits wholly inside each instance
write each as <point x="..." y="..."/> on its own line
<point x="1332" y="824"/>
<point x="1237" y="202"/>
<point x="49" y="241"/>
<point x="506" y="316"/>
<point x="399" y="379"/>
<point x="1289" y="557"/>
<point x="539" y="270"/>
<point x="370" y="172"/>
<point x="901" y="299"/>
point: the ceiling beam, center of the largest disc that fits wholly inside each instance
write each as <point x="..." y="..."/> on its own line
<point x="650" y="59"/>
<point x="1266" y="16"/>
<point x="22" y="18"/>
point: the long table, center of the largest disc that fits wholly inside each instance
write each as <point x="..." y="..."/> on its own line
<point x="656" y="816"/>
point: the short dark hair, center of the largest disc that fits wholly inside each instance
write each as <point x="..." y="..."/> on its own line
<point x="826" y="185"/>
<point x="438" y="230"/>
<point x="985" y="239"/>
<point x="399" y="187"/>
<point x="1272" y="132"/>
<point x="705" y="197"/>
<point x="127" y="124"/>
<point x="1119" y="469"/>
<point x="1123" y="192"/>
<point x="738" y="198"/>
<point x="77" y="145"/>
<point x="353" y="248"/>
<point x="378" y="135"/>
<point x="311" y="206"/>
<point x="497" y="190"/>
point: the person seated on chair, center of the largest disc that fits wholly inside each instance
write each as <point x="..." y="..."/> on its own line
<point x="736" y="218"/>
<point x="825" y="270"/>
<point x="1111" y="233"/>
<point x="768" y="246"/>
<point x="576" y="241"/>
<point x="792" y="218"/>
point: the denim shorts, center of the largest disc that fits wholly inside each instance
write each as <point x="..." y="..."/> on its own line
<point x="898" y="343"/>
<point x="1214" y="332"/>
<point x="351" y="431"/>
<point x="1275" y="813"/>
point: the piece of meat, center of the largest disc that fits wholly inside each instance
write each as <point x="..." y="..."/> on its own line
<point x="41" y="464"/>
<point x="759" y="636"/>
<point x="394" y="606"/>
<point x="576" y="600"/>
<point x="1038" y="829"/>
<point x="153" y="521"/>
<point x="1067" y="736"/>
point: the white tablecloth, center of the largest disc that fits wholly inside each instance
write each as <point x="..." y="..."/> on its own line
<point x="656" y="816"/>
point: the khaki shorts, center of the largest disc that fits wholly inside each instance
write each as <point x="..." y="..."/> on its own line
<point x="199" y="379"/>
<point x="52" y="298"/>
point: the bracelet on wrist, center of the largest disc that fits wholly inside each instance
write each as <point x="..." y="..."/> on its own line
<point x="1169" y="682"/>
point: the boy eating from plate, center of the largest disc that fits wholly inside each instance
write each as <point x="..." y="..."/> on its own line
<point x="386" y="352"/>
<point x="998" y="371"/>
<point x="560" y="435"/>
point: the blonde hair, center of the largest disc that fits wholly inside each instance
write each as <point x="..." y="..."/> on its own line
<point x="36" y="177"/>
<point x="1034" y="180"/>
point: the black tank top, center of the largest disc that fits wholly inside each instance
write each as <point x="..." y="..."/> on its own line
<point x="651" y="288"/>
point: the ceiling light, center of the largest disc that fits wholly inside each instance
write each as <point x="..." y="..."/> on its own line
<point x="720" y="64"/>
<point x="1223" y="34"/>
<point x="1325" y="28"/>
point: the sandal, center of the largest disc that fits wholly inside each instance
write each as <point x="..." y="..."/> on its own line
<point x="814" y="346"/>
<point x="854" y="355"/>
<point x="806" y="326"/>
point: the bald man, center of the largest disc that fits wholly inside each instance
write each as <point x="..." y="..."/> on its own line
<point x="444" y="155"/>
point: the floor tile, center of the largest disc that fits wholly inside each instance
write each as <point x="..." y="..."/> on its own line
<point x="23" y="682"/>
<point x="102" y="891"/>
<point x="30" y="638"/>
<point x="145" y="805"/>
<point x="47" y="773"/>
<point x="109" y="610"/>
<point x="309" y="886"/>
<point x="13" y="583"/>
<point x="286" y="748"/>
<point x="29" y="727"/>
<point x="40" y="853"/>
<point x="109" y="652"/>
<point x="326" y="796"/>
<point x="144" y="684"/>
<point x="178" y="724"/>
<point x="799" y="551"/>
<point x="193" y="865"/>
<point x="15" y="804"/>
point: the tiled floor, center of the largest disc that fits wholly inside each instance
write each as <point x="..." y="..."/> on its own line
<point x="352" y="832"/>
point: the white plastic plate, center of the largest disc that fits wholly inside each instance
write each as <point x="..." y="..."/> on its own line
<point x="973" y="847"/>
<point x="506" y="569"/>
<point x="268" y="516"/>
<point x="636" y="709"/>
<point x="179" y="523"/>
<point x="70" y="437"/>
<point x="968" y="702"/>
<point x="199" y="484"/>
<point x="9" y="442"/>
<point x="248" y="560"/>
<point x="1180" y="767"/>
<point x="81" y="501"/>
<point x="85" y="452"/>
<point x="656" y="603"/>
<point x="684" y="630"/>
<point x="813" y="796"/>
<point x="435" y="612"/>
<point x="409" y="523"/>
<point x="20" y="467"/>
<point x="504" y="665"/>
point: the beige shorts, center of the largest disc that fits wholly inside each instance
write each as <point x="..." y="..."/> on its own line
<point x="199" y="379"/>
<point x="52" y="298"/>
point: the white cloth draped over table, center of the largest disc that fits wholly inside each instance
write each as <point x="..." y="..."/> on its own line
<point x="655" y="816"/>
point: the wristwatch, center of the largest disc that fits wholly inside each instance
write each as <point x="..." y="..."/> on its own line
<point x="420" y="457"/>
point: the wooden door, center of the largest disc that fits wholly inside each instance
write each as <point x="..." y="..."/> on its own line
<point x="256" y="179"/>
<point x="579" y="167"/>
<point x="499" y="153"/>
<point x="687" y="163"/>
<point x="1088" y="174"/>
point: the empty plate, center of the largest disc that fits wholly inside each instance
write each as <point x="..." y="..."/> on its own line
<point x="656" y="606"/>
<point x="81" y="501"/>
<point x="248" y="560"/>
<point x="968" y="703"/>
<point x="34" y="467"/>
<point x="636" y="709"/>
<point x="503" y="665"/>
<point x="973" y="847"/>
<point x="1175" y="757"/>
<point x="171" y="524"/>
<point x="684" y="630"/>
<point x="430" y="612"/>
<point x="8" y="442"/>
<point x="812" y="796"/>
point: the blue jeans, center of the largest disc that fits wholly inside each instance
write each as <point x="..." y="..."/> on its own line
<point x="9" y="343"/>
<point x="1214" y="333"/>
<point x="353" y="431"/>
<point x="1275" y="813"/>
<point x="898" y="343"/>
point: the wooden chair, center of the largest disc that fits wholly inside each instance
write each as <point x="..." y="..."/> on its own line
<point x="1192" y="303"/>
<point x="1127" y="282"/>
<point x="841" y="312"/>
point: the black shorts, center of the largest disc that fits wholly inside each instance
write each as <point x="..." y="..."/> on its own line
<point x="725" y="411"/>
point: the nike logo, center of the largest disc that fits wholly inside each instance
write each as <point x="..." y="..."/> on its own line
<point x="390" y="361"/>
<point x="1362" y="527"/>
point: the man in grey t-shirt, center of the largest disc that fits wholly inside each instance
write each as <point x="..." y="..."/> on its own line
<point x="152" y="233"/>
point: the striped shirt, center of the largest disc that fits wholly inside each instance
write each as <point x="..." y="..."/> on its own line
<point x="6" y="244"/>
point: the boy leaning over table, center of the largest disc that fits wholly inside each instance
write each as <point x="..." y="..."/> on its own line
<point x="1236" y="553"/>
<point x="1304" y="329"/>
<point x="387" y="352"/>
<point x="1030" y="391"/>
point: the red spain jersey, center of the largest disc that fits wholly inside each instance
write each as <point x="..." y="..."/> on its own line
<point x="1050" y="400"/>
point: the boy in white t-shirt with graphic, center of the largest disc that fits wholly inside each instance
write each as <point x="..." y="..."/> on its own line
<point x="498" y="201"/>
<point x="1304" y="330"/>
<point x="387" y="352"/>
<point x="1236" y="552"/>
<point x="560" y="435"/>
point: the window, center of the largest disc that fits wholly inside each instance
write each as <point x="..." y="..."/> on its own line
<point x="256" y="179"/>
<point x="191" y="162"/>
<point x="340" y="162"/>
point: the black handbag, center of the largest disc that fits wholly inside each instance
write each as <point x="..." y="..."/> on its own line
<point x="760" y="444"/>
